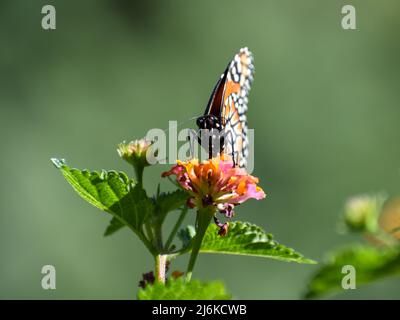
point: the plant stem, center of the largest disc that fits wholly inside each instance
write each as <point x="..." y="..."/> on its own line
<point x="139" y="173"/>
<point x="204" y="216"/>
<point x="145" y="241"/>
<point x="160" y="267"/>
<point x="158" y="238"/>
<point x="149" y="231"/>
<point x="176" y="227"/>
<point x="139" y="233"/>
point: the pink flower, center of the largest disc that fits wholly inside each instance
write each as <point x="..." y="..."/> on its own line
<point x="216" y="182"/>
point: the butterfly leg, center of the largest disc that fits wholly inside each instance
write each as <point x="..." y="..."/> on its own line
<point x="211" y="140"/>
<point x="192" y="137"/>
<point x="207" y="138"/>
<point x="233" y="153"/>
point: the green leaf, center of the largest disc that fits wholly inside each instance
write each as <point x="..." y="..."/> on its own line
<point x="370" y="263"/>
<point x="181" y="290"/>
<point x="248" y="239"/>
<point x="167" y="202"/>
<point x="113" y="192"/>
<point x="114" y="226"/>
<point x="187" y="234"/>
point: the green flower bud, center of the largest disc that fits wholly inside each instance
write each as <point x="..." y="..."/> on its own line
<point x="361" y="212"/>
<point x="135" y="152"/>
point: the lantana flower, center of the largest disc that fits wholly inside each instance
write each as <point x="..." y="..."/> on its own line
<point x="216" y="182"/>
<point x="137" y="153"/>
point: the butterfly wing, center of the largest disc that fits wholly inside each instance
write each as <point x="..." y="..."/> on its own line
<point x="239" y="77"/>
<point x="227" y="106"/>
<point x="215" y="102"/>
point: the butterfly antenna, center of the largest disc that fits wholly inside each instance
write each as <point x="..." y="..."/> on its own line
<point x="180" y="123"/>
<point x="177" y="126"/>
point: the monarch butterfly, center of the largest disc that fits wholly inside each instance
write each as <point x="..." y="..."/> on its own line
<point x="225" y="114"/>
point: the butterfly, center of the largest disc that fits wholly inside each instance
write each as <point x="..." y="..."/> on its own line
<point x="225" y="114"/>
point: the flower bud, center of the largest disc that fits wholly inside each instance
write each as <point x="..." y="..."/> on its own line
<point x="223" y="230"/>
<point x="361" y="213"/>
<point x="135" y="152"/>
<point x="147" y="278"/>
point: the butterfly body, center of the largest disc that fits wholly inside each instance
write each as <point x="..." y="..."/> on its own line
<point x="209" y="122"/>
<point x="225" y="114"/>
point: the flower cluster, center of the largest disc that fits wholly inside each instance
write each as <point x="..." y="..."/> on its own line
<point x="216" y="182"/>
<point x="135" y="152"/>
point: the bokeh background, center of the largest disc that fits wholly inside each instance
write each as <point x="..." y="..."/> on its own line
<point x="324" y="106"/>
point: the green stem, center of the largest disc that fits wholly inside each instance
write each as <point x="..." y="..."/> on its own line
<point x="139" y="233"/>
<point x="176" y="227"/>
<point x="160" y="267"/>
<point x="149" y="231"/>
<point x="204" y="216"/>
<point x="139" y="173"/>
<point x="145" y="242"/>
<point x="158" y="238"/>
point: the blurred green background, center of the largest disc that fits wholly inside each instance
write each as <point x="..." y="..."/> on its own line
<point x="324" y="106"/>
